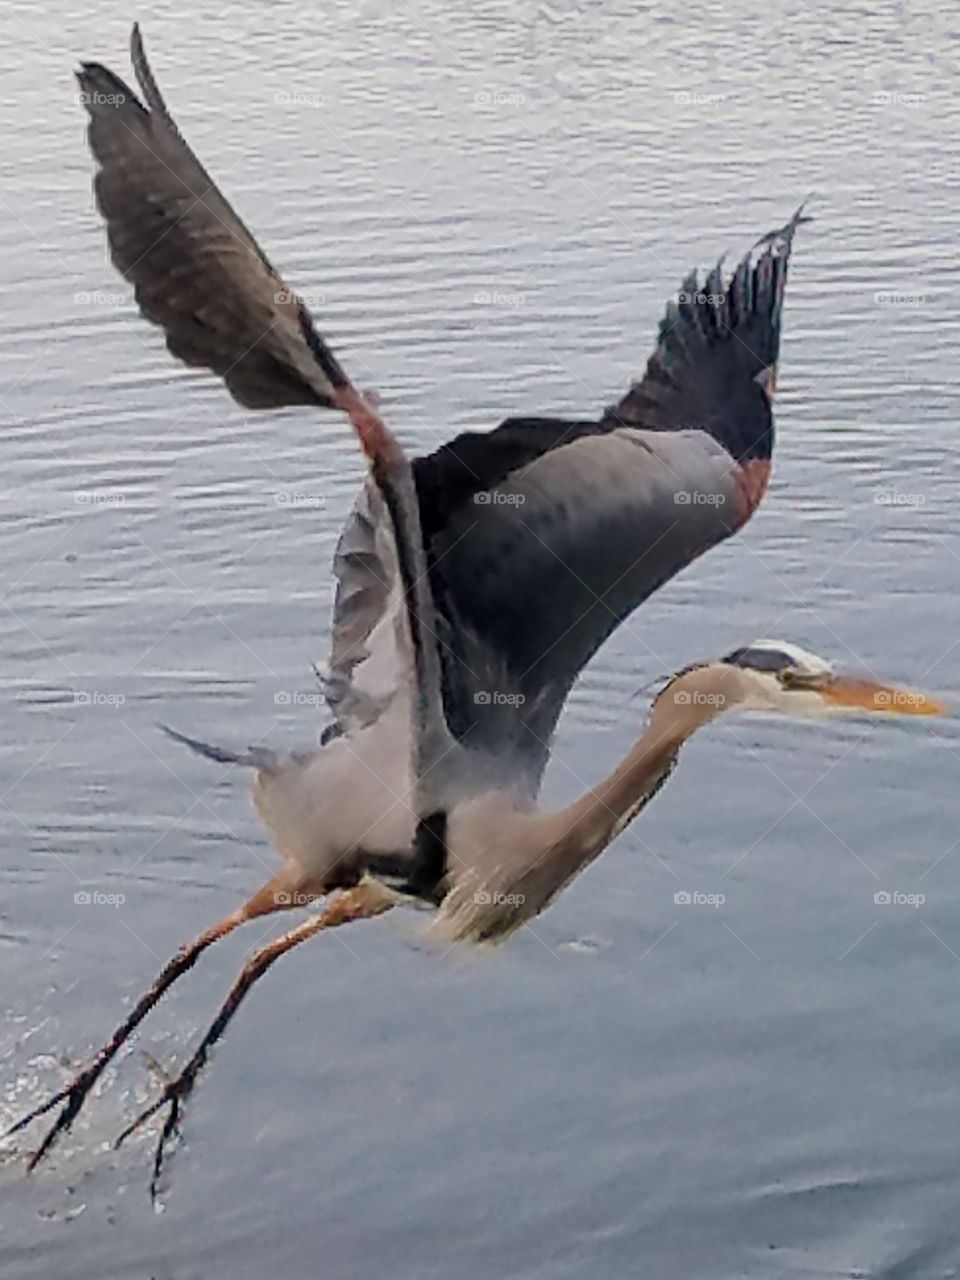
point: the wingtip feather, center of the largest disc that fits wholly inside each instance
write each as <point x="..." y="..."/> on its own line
<point x="101" y="91"/>
<point x="145" y="78"/>
<point x="785" y="233"/>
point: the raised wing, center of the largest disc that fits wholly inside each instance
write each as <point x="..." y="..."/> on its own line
<point x="196" y="269"/>
<point x="714" y="366"/>
<point x="543" y="536"/>
<point x="199" y="274"/>
<point x="529" y="583"/>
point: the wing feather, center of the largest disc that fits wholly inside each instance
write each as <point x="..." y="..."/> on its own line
<point x="543" y="536"/>
<point x="196" y="270"/>
<point x="528" y="587"/>
<point x="716" y="354"/>
<point x="199" y="274"/>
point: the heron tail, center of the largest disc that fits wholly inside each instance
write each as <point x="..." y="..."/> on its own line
<point x="252" y="757"/>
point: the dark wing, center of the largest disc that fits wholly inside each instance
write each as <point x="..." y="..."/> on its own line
<point x="199" y="274"/>
<point x="195" y="268"/>
<point x="529" y="584"/>
<point x="543" y="536"/>
<point x="714" y="366"/>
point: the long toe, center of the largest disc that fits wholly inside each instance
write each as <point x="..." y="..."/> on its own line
<point x="144" y="1116"/>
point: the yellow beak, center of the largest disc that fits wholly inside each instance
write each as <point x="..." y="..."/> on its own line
<point x="868" y="695"/>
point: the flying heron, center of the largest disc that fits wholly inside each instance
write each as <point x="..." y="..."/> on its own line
<point x="473" y="584"/>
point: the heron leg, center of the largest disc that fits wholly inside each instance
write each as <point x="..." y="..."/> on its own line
<point x="367" y="899"/>
<point x="272" y="896"/>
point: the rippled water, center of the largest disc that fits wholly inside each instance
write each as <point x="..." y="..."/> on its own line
<point x="632" y="1087"/>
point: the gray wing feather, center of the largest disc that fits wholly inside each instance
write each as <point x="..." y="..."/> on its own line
<point x="198" y="272"/>
<point x="196" y="269"/>
<point x="529" y="585"/>
<point x="366" y="655"/>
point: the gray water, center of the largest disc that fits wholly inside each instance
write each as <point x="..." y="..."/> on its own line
<point x="631" y="1087"/>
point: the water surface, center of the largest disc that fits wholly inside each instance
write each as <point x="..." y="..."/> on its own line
<point x="633" y="1086"/>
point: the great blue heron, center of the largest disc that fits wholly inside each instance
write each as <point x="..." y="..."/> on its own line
<point x="473" y="585"/>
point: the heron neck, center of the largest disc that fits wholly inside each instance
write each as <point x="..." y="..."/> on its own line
<point x="602" y="813"/>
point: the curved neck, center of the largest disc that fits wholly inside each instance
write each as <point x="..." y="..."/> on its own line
<point x="691" y="700"/>
<point x="591" y="822"/>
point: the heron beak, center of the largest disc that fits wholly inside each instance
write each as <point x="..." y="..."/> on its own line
<point x="868" y="695"/>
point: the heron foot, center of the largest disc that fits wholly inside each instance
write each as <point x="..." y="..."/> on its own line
<point x="73" y="1096"/>
<point x="175" y="1095"/>
<point x="270" y="897"/>
<point x="363" y="901"/>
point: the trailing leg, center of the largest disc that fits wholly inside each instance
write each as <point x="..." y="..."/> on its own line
<point x="362" y="902"/>
<point x="270" y="897"/>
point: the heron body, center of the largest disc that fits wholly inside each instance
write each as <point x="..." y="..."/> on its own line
<point x="473" y="585"/>
<point x="501" y="701"/>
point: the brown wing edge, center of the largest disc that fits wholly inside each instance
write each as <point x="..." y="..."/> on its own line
<point x="261" y="378"/>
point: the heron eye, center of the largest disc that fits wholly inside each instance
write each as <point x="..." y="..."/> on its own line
<point x="797" y="678"/>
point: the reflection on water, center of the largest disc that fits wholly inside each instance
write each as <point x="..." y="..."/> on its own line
<point x="487" y="206"/>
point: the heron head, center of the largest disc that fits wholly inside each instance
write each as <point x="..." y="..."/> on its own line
<point x="774" y="675"/>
